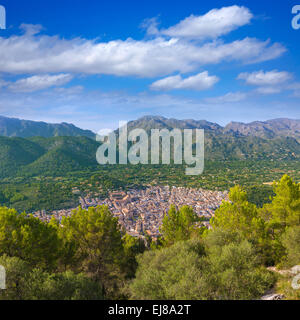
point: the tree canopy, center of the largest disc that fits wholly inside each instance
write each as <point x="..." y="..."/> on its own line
<point x="179" y="225"/>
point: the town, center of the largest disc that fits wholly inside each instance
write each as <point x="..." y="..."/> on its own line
<point x="140" y="212"/>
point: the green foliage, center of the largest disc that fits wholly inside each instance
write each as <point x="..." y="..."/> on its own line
<point x="239" y="216"/>
<point x="283" y="212"/>
<point x="62" y="286"/>
<point x="285" y="207"/>
<point x="291" y="242"/>
<point x="179" y="225"/>
<point x="132" y="247"/>
<point x="236" y="273"/>
<point x="265" y="227"/>
<point x="243" y="218"/>
<point x="171" y="273"/>
<point x="24" y="283"/>
<point x="219" y="238"/>
<point x="98" y="243"/>
<point x="17" y="274"/>
<point x="87" y="256"/>
<point x="260" y="194"/>
<point x="28" y="238"/>
<point x="184" y="271"/>
<point x="88" y="243"/>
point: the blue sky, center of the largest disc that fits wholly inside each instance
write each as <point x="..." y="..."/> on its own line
<point x="93" y="63"/>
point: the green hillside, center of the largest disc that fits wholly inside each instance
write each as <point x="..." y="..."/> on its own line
<point x="235" y="147"/>
<point x="36" y="156"/>
<point x="16" y="153"/>
<point x="63" y="154"/>
<point x="60" y="155"/>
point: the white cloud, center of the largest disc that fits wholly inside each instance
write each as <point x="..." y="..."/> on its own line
<point x="89" y="109"/>
<point x="269" y="90"/>
<point x="297" y="94"/>
<point x="33" y="53"/>
<point x="31" y="29"/>
<point x="151" y="26"/>
<point x="213" y="24"/>
<point x="201" y="81"/>
<point x="261" y="78"/>
<point x="230" y="97"/>
<point x="39" y="82"/>
<point x="295" y="87"/>
<point x="2" y="83"/>
<point x="93" y="109"/>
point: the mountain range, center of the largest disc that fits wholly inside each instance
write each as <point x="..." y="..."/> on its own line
<point x="37" y="148"/>
<point x="11" y="127"/>
<point x="274" y="139"/>
<point x="264" y="129"/>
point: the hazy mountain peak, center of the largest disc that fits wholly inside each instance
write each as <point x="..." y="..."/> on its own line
<point x="267" y="129"/>
<point x="13" y="127"/>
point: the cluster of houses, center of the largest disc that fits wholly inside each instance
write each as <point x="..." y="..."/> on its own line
<point x="140" y="212"/>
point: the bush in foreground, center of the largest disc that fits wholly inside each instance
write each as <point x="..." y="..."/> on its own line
<point x="187" y="271"/>
<point x="23" y="283"/>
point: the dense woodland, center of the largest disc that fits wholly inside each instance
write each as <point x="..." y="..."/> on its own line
<point x="87" y="256"/>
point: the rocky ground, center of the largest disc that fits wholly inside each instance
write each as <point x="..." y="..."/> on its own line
<point x="284" y="289"/>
